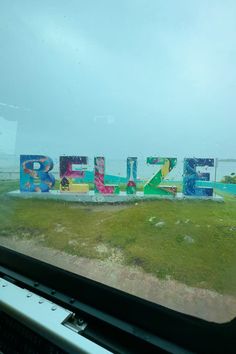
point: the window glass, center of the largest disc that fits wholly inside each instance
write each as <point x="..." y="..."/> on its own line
<point x="117" y="145"/>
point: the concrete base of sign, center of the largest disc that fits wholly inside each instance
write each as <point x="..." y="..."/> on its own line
<point x="92" y="197"/>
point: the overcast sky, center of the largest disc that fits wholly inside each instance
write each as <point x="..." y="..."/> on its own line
<point x="118" y="78"/>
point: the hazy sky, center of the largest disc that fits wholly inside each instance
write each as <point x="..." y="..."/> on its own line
<point x="118" y="78"/>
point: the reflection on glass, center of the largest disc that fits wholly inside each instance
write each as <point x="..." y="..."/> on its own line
<point x="138" y="101"/>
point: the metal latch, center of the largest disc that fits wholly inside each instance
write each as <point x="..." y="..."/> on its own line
<point x="74" y="323"/>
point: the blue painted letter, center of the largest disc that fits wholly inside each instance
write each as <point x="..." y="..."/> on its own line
<point x="36" y="179"/>
<point x="191" y="176"/>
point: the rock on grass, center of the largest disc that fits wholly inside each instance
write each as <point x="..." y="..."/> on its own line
<point x="160" y="224"/>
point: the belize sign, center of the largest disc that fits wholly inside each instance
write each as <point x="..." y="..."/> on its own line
<point x="36" y="176"/>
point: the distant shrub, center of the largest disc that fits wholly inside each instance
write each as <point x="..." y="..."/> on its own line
<point x="229" y="179"/>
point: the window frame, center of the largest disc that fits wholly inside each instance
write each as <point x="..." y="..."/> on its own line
<point x="116" y="312"/>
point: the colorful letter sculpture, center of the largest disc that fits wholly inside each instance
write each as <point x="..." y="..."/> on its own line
<point x="35" y="176"/>
<point x="131" y="175"/>
<point x="69" y="175"/>
<point x="99" y="173"/>
<point x="34" y="179"/>
<point x="191" y="176"/>
<point x="152" y="185"/>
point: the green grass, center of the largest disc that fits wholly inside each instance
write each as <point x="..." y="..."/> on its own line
<point x="195" y="245"/>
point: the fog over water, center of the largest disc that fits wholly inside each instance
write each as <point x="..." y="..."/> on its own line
<point x="118" y="167"/>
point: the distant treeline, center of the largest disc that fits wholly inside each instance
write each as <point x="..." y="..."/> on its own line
<point x="229" y="179"/>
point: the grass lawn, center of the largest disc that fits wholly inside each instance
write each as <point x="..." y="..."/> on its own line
<point x="190" y="241"/>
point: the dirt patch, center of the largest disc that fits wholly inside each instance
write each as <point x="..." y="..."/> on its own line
<point x="102" y="248"/>
<point x="73" y="243"/>
<point x="198" y="302"/>
<point x="59" y="228"/>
